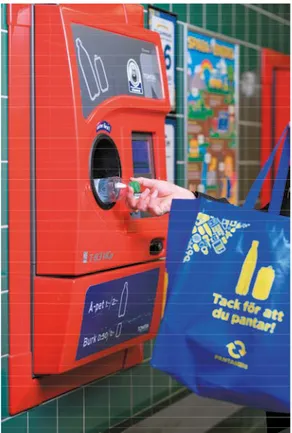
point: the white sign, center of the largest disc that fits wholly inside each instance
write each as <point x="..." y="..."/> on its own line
<point x="170" y="149"/>
<point x="164" y="24"/>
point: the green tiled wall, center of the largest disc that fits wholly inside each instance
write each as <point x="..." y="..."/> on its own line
<point x="107" y="402"/>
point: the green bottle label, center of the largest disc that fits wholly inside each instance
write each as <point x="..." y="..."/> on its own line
<point x="136" y="187"/>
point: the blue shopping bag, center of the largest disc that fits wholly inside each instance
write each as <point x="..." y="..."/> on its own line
<point x="226" y="328"/>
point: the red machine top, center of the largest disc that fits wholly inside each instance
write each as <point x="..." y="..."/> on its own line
<point x="101" y="97"/>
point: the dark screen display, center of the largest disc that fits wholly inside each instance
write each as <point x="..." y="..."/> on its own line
<point x="142" y="155"/>
<point x="142" y="151"/>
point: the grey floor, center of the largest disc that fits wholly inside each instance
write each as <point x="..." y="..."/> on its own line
<point x="196" y="415"/>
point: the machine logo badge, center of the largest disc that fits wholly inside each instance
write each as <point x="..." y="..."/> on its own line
<point x="103" y="126"/>
<point x="96" y="257"/>
<point x="134" y="77"/>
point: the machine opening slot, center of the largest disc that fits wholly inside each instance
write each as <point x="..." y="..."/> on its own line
<point x="105" y="164"/>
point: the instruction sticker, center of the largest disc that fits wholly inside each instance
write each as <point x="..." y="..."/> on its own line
<point x="117" y="311"/>
<point x="134" y="77"/>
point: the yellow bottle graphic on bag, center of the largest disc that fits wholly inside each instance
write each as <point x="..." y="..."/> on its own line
<point x="263" y="284"/>
<point x="247" y="270"/>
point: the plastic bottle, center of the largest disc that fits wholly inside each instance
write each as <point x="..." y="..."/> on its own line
<point x="88" y="72"/>
<point x="263" y="284"/>
<point x="247" y="270"/>
<point x="113" y="189"/>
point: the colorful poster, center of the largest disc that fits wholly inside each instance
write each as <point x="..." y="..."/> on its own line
<point x="211" y="95"/>
<point x="170" y="126"/>
<point x="164" y="23"/>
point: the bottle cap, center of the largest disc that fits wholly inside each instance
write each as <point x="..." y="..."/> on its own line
<point x="136" y="186"/>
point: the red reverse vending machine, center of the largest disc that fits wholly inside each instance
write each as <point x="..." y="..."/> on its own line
<point x="98" y="98"/>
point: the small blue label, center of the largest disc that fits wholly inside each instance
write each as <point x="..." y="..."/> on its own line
<point x="136" y="89"/>
<point x="117" y="311"/>
<point x="103" y="126"/>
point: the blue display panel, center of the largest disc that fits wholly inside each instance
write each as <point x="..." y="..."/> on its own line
<point x="142" y="151"/>
<point x="117" y="311"/>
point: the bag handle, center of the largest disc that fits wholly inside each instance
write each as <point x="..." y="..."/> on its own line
<point x="280" y="181"/>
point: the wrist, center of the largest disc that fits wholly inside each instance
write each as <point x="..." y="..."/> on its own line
<point x="187" y="194"/>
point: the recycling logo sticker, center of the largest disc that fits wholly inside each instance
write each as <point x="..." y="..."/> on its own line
<point x="134" y="77"/>
<point x="236" y="349"/>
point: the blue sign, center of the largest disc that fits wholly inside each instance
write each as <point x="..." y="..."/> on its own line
<point x="103" y="126"/>
<point x="117" y="311"/>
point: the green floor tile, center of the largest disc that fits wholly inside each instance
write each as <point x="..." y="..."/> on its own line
<point x="4" y="129"/>
<point x="70" y="412"/>
<point x="243" y="59"/>
<point x="163" y="6"/>
<point x="4" y="282"/>
<point x="180" y="100"/>
<point x="146" y="20"/>
<point x="285" y="12"/>
<point x="161" y="385"/>
<point x="252" y="26"/>
<point x="3" y="17"/>
<point x="212" y="17"/>
<point x="286" y="46"/>
<point x="181" y="10"/>
<point x="18" y="424"/>
<point x="4" y="388"/>
<point x="180" y="152"/>
<point x="4" y="259"/>
<point x="226" y="25"/>
<point x="176" y="386"/>
<point x="4" y="64"/>
<point x="148" y="349"/>
<point x="43" y="418"/>
<point x="4" y="323"/>
<point x="141" y="383"/>
<point x="265" y="35"/>
<point x="180" y="45"/>
<point x="240" y="18"/>
<point x="196" y="14"/>
<point x="120" y="397"/>
<point x="253" y="59"/>
<point x="180" y="148"/>
<point x="4" y="194"/>
<point x="97" y="406"/>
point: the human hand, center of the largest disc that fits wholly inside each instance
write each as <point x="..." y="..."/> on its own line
<point x="156" y="197"/>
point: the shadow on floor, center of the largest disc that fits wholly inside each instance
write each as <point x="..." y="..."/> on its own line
<point x="196" y="415"/>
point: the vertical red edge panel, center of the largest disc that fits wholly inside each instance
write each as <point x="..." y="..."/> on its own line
<point x="25" y="391"/>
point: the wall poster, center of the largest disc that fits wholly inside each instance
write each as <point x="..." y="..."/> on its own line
<point x="212" y="122"/>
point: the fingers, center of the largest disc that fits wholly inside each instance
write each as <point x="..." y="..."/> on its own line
<point x="131" y="200"/>
<point x="149" y="183"/>
<point x="154" y="204"/>
<point x="158" y="206"/>
<point x="143" y="200"/>
<point x="148" y="202"/>
<point x="138" y="204"/>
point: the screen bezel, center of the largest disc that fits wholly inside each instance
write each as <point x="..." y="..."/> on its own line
<point x="146" y="137"/>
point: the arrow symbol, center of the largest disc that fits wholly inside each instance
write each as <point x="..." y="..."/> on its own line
<point x="236" y="349"/>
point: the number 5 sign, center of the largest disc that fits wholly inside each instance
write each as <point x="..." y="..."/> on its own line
<point x="164" y="23"/>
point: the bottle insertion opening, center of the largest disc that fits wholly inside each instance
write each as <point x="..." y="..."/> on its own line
<point x="112" y="189"/>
